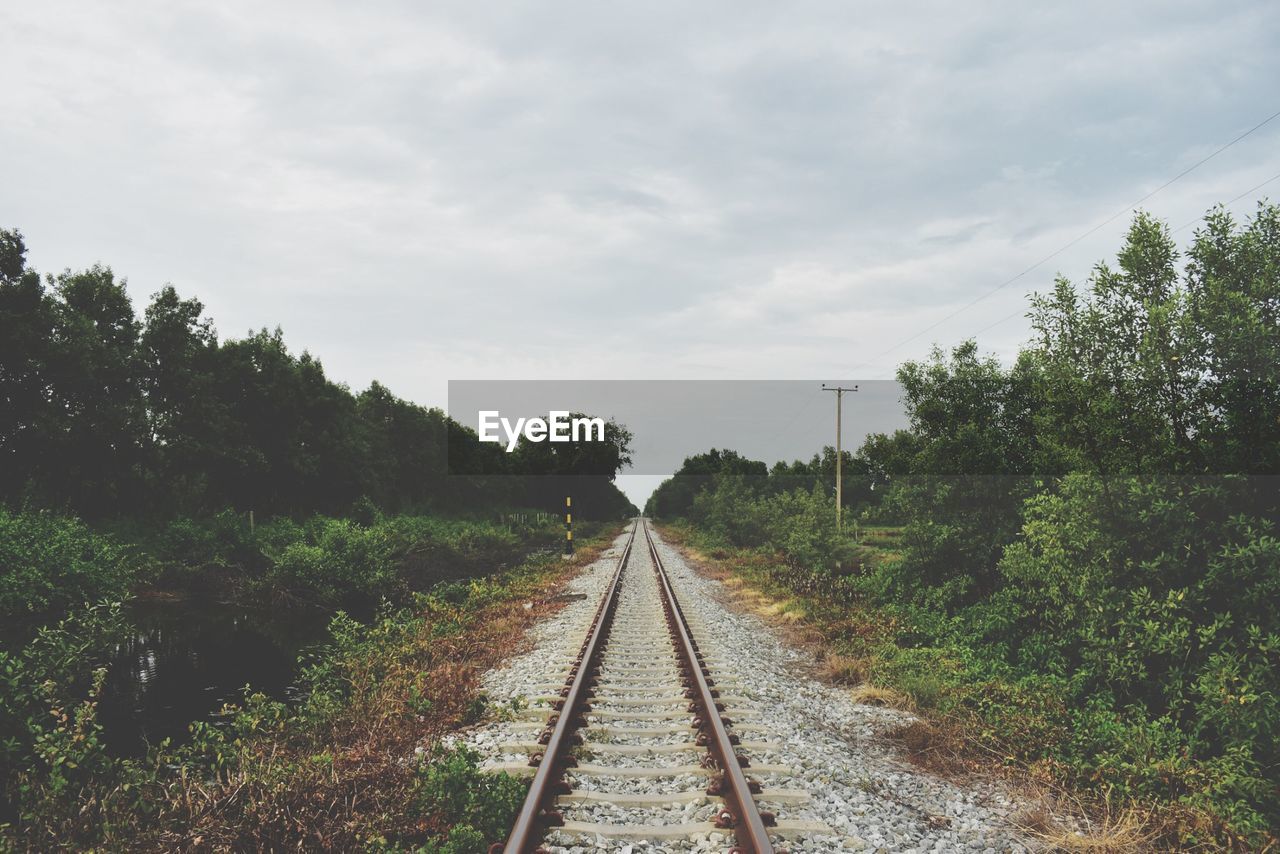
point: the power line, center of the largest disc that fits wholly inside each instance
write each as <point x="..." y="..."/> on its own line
<point x="795" y="415"/>
<point x="1247" y="192"/>
<point x="1062" y="249"/>
<point x="1183" y="227"/>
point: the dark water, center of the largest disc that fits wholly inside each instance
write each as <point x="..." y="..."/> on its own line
<point x="186" y="659"/>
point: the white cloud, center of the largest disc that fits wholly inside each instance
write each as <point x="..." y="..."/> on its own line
<point x="716" y="190"/>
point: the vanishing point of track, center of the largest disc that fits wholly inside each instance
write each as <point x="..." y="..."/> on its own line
<point x="641" y="653"/>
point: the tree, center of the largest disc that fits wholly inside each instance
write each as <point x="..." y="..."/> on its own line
<point x="96" y="460"/>
<point x="1233" y="298"/>
<point x="582" y="469"/>
<point x="406" y="447"/>
<point x="105" y="414"/>
<point x="27" y="417"/>
<point x="674" y="497"/>
<point x="178" y="352"/>
<point x="1155" y="372"/>
<point x="885" y="457"/>
<point x="1122" y="364"/>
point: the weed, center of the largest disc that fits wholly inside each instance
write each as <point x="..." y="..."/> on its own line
<point x="843" y="669"/>
<point x="873" y="695"/>
<point x="476" y="806"/>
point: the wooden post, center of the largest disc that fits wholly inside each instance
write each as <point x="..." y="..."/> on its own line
<point x="568" y="525"/>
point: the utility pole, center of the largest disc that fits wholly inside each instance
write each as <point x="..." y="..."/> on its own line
<point x="839" y="390"/>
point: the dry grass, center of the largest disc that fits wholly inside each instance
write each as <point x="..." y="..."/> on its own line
<point x="842" y="669"/>
<point x="938" y="746"/>
<point x="874" y="695"/>
<point x="785" y="610"/>
<point x="1063" y="821"/>
<point x="1105" y="831"/>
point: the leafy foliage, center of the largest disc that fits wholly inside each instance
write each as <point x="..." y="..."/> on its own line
<point x="797" y="523"/>
<point x="477" y="807"/>
<point x="49" y="563"/>
<point x="51" y="747"/>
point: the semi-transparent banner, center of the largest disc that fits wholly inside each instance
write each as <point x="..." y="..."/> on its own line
<point x="669" y="420"/>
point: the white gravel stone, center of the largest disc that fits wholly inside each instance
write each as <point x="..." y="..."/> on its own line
<point x="830" y="745"/>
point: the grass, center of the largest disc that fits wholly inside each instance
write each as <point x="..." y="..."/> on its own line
<point x="842" y="669"/>
<point x="884" y="537"/>
<point x="1107" y="832"/>
<point x="873" y="695"/>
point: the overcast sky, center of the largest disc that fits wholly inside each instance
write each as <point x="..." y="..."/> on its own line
<point x="423" y="192"/>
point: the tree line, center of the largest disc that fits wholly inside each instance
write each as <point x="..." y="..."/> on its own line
<point x="106" y="414"/>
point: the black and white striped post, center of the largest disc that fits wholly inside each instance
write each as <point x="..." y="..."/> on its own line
<point x="568" y="525"/>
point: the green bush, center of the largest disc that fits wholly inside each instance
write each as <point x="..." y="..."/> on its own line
<point x="50" y="564"/>
<point x="51" y="747"/>
<point x="1157" y="610"/>
<point x="337" y="561"/>
<point x="188" y="548"/>
<point x="188" y="542"/>
<point x="800" y="524"/>
<point x="340" y="562"/>
<point x="478" y="808"/>
<point x="61" y="788"/>
<point x="1126" y="635"/>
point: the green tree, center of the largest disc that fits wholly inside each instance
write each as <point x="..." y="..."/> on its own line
<point x="28" y="418"/>
<point x="1233" y="298"/>
<point x="96" y="460"/>
<point x="1153" y="371"/>
<point x="178" y="350"/>
<point x="963" y="473"/>
<point x="582" y="469"/>
<point x="674" y="497"/>
<point x="406" y="447"/>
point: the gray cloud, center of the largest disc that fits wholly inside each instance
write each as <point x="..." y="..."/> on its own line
<point x="747" y="190"/>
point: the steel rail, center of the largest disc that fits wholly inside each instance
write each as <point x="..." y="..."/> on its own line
<point x="534" y="816"/>
<point x="742" y="814"/>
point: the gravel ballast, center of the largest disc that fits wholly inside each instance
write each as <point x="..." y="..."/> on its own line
<point x="802" y="736"/>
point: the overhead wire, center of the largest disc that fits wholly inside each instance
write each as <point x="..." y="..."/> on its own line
<point x="1183" y="227"/>
<point x="1076" y="240"/>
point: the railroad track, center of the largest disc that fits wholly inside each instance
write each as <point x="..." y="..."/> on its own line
<point x="641" y="745"/>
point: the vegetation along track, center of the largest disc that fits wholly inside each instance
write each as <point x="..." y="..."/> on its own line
<point x="640" y="703"/>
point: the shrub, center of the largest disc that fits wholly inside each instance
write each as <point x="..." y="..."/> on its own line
<point x="1150" y="604"/>
<point x="334" y="562"/>
<point x="477" y="808"/>
<point x="800" y="524"/>
<point x="51" y="749"/>
<point x="50" y="564"/>
<point x="1125" y="636"/>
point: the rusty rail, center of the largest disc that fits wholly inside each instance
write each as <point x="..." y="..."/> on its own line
<point x="535" y="815"/>
<point x="741" y="814"/>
